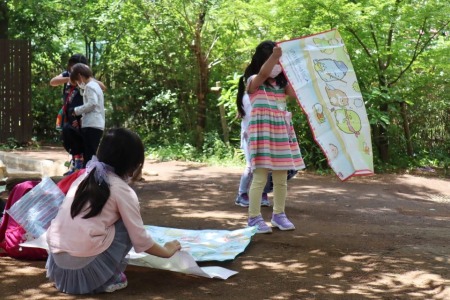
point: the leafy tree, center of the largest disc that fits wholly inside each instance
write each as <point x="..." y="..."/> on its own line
<point x="392" y="36"/>
<point x="4" y="17"/>
<point x="182" y="31"/>
<point x="35" y="21"/>
<point x="159" y="60"/>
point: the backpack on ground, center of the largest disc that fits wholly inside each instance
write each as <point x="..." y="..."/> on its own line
<point x="13" y="234"/>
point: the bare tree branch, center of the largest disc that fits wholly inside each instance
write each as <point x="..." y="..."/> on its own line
<point x="363" y="45"/>
<point x="216" y="38"/>
<point x="419" y="49"/>
<point x="374" y="38"/>
<point x="390" y="36"/>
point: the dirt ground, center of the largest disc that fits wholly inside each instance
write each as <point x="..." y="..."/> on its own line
<point x="378" y="237"/>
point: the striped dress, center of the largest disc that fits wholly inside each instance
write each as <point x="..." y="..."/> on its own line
<point x="273" y="143"/>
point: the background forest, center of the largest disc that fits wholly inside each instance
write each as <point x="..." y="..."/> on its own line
<point x="162" y="60"/>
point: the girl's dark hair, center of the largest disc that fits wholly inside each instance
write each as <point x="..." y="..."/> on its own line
<point x="119" y="148"/>
<point x="80" y="69"/>
<point x="77" y="58"/>
<point x="262" y="53"/>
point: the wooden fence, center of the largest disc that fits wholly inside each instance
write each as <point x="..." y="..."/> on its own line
<point x="15" y="91"/>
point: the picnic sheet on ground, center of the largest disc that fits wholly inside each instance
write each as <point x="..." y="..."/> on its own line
<point x="319" y="69"/>
<point x="38" y="207"/>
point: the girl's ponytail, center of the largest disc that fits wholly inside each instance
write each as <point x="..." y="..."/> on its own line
<point x="240" y="95"/>
<point x="92" y="192"/>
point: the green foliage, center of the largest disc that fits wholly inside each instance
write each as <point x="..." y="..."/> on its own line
<point x="159" y="120"/>
<point x="11" y="144"/>
<point x="214" y="152"/>
<point x="148" y="54"/>
<point x="228" y="100"/>
<point x="374" y="98"/>
<point x="175" y="151"/>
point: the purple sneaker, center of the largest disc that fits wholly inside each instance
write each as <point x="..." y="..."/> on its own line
<point x="265" y="200"/>
<point x="121" y="282"/>
<point x="242" y="200"/>
<point x="282" y="222"/>
<point x="260" y="224"/>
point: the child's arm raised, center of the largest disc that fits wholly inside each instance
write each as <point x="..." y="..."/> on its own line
<point x="265" y="70"/>
<point x="59" y="80"/>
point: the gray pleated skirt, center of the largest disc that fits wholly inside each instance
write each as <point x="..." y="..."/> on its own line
<point x="90" y="275"/>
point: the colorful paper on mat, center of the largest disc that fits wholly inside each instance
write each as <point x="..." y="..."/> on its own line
<point x="319" y="69"/>
<point x="37" y="208"/>
<point x="206" y="245"/>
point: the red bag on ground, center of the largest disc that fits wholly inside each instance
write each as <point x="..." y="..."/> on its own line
<point x="65" y="183"/>
<point x="12" y="234"/>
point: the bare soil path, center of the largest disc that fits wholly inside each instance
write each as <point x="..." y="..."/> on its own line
<point x="379" y="237"/>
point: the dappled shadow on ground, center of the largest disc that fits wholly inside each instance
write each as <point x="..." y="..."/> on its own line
<point x="362" y="239"/>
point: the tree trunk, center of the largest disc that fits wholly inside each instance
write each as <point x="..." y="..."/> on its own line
<point x="202" y="86"/>
<point x="202" y="90"/>
<point x="94" y="54"/>
<point x="87" y="49"/>
<point x="226" y="136"/>
<point x="406" y="131"/>
<point x="201" y="122"/>
<point x="382" y="138"/>
<point x="4" y="19"/>
<point x="382" y="142"/>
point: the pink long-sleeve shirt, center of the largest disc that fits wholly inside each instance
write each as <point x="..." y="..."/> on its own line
<point x="88" y="237"/>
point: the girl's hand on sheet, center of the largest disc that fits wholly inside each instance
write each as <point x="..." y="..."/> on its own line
<point x="172" y="247"/>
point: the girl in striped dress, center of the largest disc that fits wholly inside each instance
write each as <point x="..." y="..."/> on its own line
<point x="272" y="141"/>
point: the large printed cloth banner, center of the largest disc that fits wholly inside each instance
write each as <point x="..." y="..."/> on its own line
<point x="319" y="69"/>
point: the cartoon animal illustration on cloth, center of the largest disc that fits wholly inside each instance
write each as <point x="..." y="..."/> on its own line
<point x="366" y="148"/>
<point x="318" y="113"/>
<point x="336" y="96"/>
<point x="355" y="86"/>
<point x="330" y="69"/>
<point x="348" y="121"/>
<point x="358" y="102"/>
<point x="334" y="150"/>
<point x="325" y="44"/>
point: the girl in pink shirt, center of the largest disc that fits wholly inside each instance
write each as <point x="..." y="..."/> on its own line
<point x="99" y="221"/>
